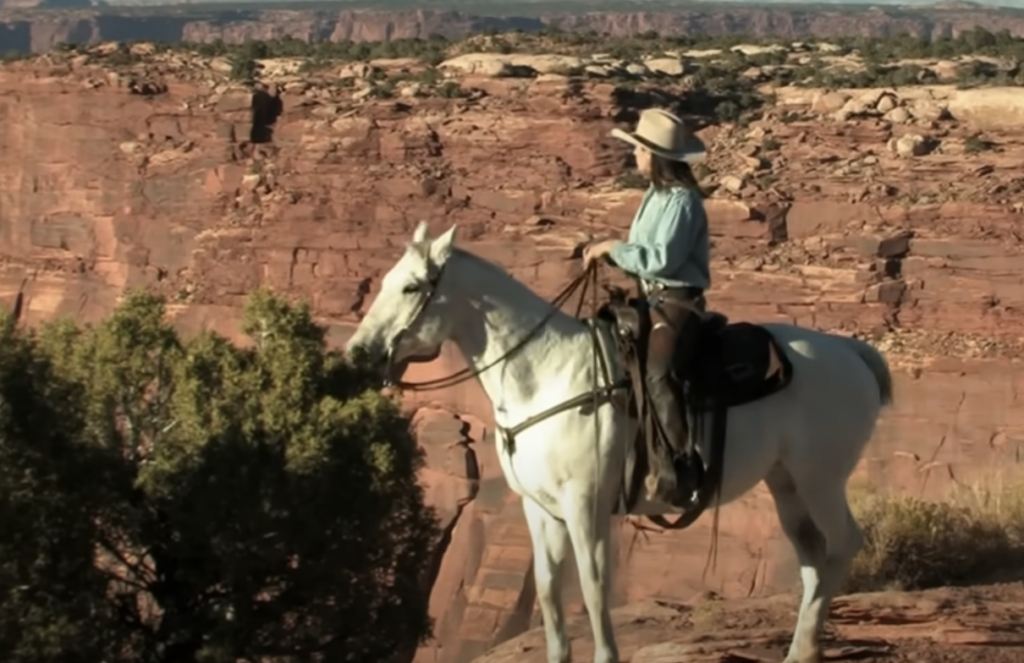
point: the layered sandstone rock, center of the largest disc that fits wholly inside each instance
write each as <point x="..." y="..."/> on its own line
<point x="157" y="177"/>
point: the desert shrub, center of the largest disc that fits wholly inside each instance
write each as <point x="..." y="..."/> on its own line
<point x="383" y="90"/>
<point x="242" y="68"/>
<point x="451" y="90"/>
<point x="431" y="50"/>
<point x="171" y="500"/>
<point x="727" y="111"/>
<point x="974" y="536"/>
<point x="974" y="144"/>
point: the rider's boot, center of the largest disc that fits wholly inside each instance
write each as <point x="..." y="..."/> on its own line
<point x="670" y="350"/>
<point x="678" y="485"/>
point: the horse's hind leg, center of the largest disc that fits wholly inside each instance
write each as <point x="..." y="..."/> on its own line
<point x="815" y="516"/>
<point x="808" y="543"/>
<point x="550" y="547"/>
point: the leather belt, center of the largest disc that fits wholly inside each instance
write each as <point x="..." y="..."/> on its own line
<point x="690" y="292"/>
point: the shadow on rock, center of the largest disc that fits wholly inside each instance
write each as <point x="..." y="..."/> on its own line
<point x="266" y="108"/>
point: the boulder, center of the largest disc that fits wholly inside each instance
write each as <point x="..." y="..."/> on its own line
<point x="910" y="145"/>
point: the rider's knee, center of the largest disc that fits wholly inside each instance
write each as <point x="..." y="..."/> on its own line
<point x="658" y="377"/>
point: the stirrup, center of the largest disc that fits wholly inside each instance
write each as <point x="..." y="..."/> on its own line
<point x="689" y="471"/>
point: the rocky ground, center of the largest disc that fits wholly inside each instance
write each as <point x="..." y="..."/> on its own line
<point x="937" y="626"/>
<point x="891" y="212"/>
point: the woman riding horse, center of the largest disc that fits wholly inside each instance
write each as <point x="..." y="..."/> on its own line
<point x="668" y="253"/>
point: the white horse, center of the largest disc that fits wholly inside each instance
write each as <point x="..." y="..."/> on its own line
<point x="803" y="441"/>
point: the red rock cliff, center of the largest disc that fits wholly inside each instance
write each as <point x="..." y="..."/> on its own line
<point x="102" y="189"/>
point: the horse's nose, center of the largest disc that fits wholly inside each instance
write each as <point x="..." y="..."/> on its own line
<point x="357" y="346"/>
<point x="369" y="350"/>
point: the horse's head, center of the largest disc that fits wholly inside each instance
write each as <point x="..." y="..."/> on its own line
<point x="411" y="317"/>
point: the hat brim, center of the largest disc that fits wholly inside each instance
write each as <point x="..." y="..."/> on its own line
<point x="693" y="149"/>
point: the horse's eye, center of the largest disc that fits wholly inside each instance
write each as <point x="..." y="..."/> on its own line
<point x="411" y="289"/>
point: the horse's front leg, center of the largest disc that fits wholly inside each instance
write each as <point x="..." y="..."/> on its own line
<point x="550" y="546"/>
<point x="590" y="532"/>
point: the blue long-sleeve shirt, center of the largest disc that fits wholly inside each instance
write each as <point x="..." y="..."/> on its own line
<point x="668" y="241"/>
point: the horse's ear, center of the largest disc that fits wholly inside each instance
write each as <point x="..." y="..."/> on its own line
<point x="420" y="234"/>
<point x="441" y="248"/>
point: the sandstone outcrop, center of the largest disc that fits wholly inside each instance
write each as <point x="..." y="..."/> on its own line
<point x="814" y="221"/>
<point x="981" y="109"/>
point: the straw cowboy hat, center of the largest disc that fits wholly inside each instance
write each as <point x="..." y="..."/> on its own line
<point x="664" y="134"/>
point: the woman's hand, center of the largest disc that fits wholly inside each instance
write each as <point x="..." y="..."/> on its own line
<point x="596" y="251"/>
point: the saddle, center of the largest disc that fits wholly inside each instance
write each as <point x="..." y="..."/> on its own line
<point x="737" y="363"/>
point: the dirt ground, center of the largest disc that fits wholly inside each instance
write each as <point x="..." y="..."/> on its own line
<point x="950" y="625"/>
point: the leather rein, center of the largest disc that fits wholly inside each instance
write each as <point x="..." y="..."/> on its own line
<point x="583" y="283"/>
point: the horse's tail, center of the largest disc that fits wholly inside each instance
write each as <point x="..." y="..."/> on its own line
<point x="875" y="360"/>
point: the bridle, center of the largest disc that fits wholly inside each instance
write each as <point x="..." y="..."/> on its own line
<point x="586" y="281"/>
<point x="429" y="293"/>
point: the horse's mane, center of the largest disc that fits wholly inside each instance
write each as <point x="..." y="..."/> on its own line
<point x="497" y="270"/>
<point x="482" y="262"/>
<point x="424" y="248"/>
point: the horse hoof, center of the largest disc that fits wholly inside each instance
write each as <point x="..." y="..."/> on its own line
<point x="813" y="657"/>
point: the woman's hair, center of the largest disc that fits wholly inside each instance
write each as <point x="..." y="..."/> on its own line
<point x="666" y="173"/>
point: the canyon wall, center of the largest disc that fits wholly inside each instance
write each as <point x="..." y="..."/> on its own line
<point x="102" y="190"/>
<point x="25" y="30"/>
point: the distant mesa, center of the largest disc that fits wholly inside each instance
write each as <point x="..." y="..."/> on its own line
<point x="49" y="4"/>
<point x="135" y="20"/>
<point x="961" y="5"/>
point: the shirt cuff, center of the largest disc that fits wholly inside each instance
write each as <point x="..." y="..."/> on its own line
<point x="616" y="248"/>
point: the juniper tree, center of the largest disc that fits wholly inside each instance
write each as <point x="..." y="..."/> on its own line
<point x="242" y="503"/>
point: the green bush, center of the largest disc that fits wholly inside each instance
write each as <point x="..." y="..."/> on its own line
<point x="174" y="500"/>
<point x="912" y="543"/>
